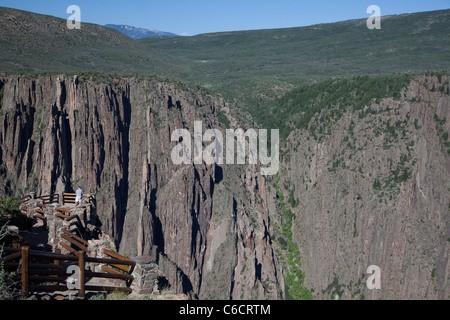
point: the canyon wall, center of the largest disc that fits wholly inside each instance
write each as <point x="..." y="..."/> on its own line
<point x="373" y="189"/>
<point x="114" y="139"/>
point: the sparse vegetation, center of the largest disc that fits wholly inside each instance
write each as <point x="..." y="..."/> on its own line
<point x="294" y="278"/>
<point x="316" y="107"/>
<point x="7" y="283"/>
<point x="223" y="119"/>
<point x="9" y="212"/>
<point x="256" y="67"/>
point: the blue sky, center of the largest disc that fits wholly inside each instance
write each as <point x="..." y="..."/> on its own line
<point x="204" y="16"/>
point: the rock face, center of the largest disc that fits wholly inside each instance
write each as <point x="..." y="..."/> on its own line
<point x="114" y="139"/>
<point x="375" y="190"/>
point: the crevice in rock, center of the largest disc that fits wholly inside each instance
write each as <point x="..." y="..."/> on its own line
<point x="66" y="152"/>
<point x="123" y="187"/>
<point x="158" y="232"/>
<point x="234" y="225"/>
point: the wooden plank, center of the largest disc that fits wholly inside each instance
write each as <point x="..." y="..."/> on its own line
<point x="40" y="216"/>
<point x="43" y="272"/>
<point x="43" y="266"/>
<point x="110" y="270"/>
<point x="25" y="252"/>
<point x="110" y="289"/>
<point x="62" y="244"/>
<point x="121" y="267"/>
<point x="110" y="261"/>
<point x="39" y="288"/>
<point x="81" y="266"/>
<point x="39" y="211"/>
<point x="49" y="196"/>
<point x="120" y="257"/>
<point x="13" y="256"/>
<point x="9" y="249"/>
<point x="62" y="209"/>
<point x="120" y="276"/>
<point x="115" y="255"/>
<point x="51" y="256"/>
<point x="46" y="279"/>
<point x="75" y="236"/>
<point x="75" y="216"/>
<point x="69" y="194"/>
<point x="42" y="279"/>
<point x="57" y="264"/>
<point x="74" y="242"/>
<point x="54" y="199"/>
<point x="62" y="215"/>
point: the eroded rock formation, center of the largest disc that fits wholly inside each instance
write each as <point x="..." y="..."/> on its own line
<point x="114" y="139"/>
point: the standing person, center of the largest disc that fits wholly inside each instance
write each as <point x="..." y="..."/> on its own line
<point x="79" y="193"/>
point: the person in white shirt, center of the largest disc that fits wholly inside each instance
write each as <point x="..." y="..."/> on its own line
<point x="79" y="193"/>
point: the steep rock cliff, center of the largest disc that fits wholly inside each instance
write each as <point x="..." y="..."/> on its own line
<point x="375" y="190"/>
<point x="114" y="138"/>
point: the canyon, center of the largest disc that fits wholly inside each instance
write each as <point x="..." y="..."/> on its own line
<point x="363" y="160"/>
<point x="374" y="191"/>
<point x="114" y="140"/>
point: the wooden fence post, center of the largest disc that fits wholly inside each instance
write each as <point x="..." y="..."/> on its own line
<point x="25" y="256"/>
<point x="57" y="262"/>
<point x="81" y="266"/>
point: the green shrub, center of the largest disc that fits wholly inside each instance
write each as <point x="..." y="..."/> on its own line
<point x="377" y="185"/>
<point x="9" y="211"/>
<point x="283" y="243"/>
<point x="325" y="102"/>
<point x="223" y="119"/>
<point x="9" y="206"/>
<point x="7" y="283"/>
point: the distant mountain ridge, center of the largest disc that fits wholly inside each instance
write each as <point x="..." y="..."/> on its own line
<point x="139" y="33"/>
<point x="31" y="42"/>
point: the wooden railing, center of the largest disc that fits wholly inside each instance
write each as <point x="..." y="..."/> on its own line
<point x="33" y="267"/>
<point x="25" y="199"/>
<point x="18" y="240"/>
<point x="116" y="268"/>
<point x="73" y="240"/>
<point x="62" y="213"/>
<point x="39" y="213"/>
<point x="70" y="197"/>
<point x="50" y="198"/>
<point x="24" y="203"/>
<point x="23" y="209"/>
